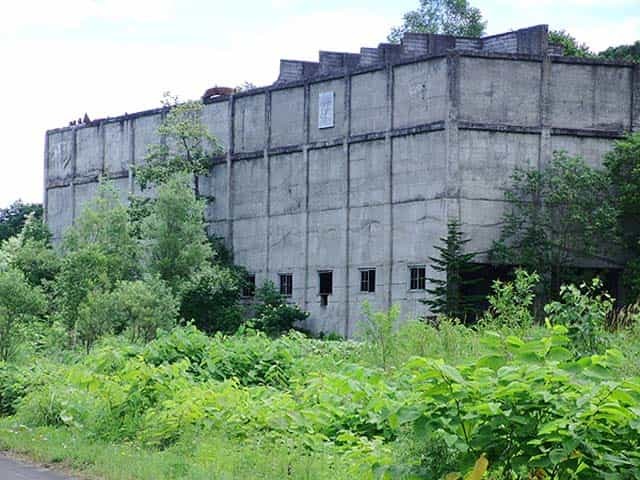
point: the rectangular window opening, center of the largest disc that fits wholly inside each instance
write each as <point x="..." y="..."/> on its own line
<point x="418" y="277"/>
<point x="249" y="288"/>
<point x="286" y="284"/>
<point x="368" y="280"/>
<point x="326" y="283"/>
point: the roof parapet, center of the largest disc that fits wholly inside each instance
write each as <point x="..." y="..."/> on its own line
<point x="530" y="41"/>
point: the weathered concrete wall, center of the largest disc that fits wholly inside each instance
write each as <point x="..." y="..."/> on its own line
<point x="413" y="143"/>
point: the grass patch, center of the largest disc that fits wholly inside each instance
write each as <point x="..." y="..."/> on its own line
<point x="196" y="458"/>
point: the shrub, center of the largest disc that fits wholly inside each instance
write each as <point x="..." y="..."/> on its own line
<point x="273" y="314"/>
<point x="378" y="331"/>
<point x="530" y="407"/>
<point x="252" y="359"/>
<point x="39" y="263"/>
<point x="20" y="303"/>
<point x="584" y="312"/>
<point x="211" y="297"/>
<point x="138" y="308"/>
<point x="511" y="302"/>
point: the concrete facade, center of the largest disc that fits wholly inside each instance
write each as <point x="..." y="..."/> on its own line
<point x="423" y="131"/>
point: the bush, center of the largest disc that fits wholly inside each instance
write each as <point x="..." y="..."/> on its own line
<point x="378" y="332"/>
<point x="274" y="315"/>
<point x="20" y="303"/>
<point x="511" y="303"/>
<point x="584" y="312"/>
<point x="137" y="308"/>
<point x="211" y="299"/>
<point x="39" y="263"/>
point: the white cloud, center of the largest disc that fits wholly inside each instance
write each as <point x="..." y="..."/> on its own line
<point x="73" y="13"/>
<point x="57" y="81"/>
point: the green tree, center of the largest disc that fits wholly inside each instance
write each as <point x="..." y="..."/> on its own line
<point x="187" y="145"/>
<point x="451" y="17"/>
<point x="98" y="251"/>
<point x="211" y="298"/>
<point x="623" y="166"/>
<point x="572" y="47"/>
<point x="20" y="303"/>
<point x="555" y="217"/>
<point x="13" y="218"/>
<point x="138" y="308"/>
<point x="174" y="236"/>
<point x="104" y="223"/>
<point x="451" y="295"/>
<point x="627" y="53"/>
<point x="32" y="254"/>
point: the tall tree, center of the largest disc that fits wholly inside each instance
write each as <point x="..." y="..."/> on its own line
<point x="451" y="17"/>
<point x="623" y="166"/>
<point x="13" y="218"/>
<point x="555" y="217"/>
<point x="186" y="147"/>
<point x="451" y="295"/>
<point x="99" y="250"/>
<point x="174" y="234"/>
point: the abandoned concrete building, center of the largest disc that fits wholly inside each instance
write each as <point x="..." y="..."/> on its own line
<point x="338" y="179"/>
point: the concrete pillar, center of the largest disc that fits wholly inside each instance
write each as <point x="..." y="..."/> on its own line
<point x="267" y="161"/>
<point x="229" y="232"/>
<point x="635" y="100"/>
<point x="388" y="142"/>
<point x="347" y="152"/>
<point x="74" y="156"/>
<point x="545" y="152"/>
<point x="131" y="158"/>
<point x="103" y="148"/>
<point x="305" y="157"/>
<point x="452" y="151"/>
<point x="45" y="199"/>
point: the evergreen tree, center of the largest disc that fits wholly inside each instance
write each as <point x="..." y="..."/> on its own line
<point x="448" y="295"/>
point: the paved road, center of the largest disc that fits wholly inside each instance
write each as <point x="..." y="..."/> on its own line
<point x="12" y="469"/>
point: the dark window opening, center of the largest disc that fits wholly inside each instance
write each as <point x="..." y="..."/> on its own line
<point x="249" y="288"/>
<point x="418" y="275"/>
<point x="326" y="283"/>
<point x="286" y="284"/>
<point x="368" y="280"/>
<point x="326" y="287"/>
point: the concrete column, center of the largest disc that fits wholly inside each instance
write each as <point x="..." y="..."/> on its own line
<point x="45" y="202"/>
<point x="452" y="186"/>
<point x="635" y="100"/>
<point x="347" y="152"/>
<point x="132" y="154"/>
<point x="230" y="146"/>
<point x="103" y="147"/>
<point x="545" y="148"/>
<point x="74" y="156"/>
<point x="388" y="142"/>
<point x="305" y="157"/>
<point x="267" y="160"/>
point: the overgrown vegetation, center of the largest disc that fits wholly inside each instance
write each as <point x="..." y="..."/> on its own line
<point x="129" y="352"/>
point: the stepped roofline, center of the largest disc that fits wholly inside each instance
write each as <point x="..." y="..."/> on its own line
<point x="529" y="41"/>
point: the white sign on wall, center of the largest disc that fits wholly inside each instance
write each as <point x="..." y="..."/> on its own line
<point x="325" y="109"/>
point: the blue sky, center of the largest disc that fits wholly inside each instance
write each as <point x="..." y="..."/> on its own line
<point x="106" y="57"/>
